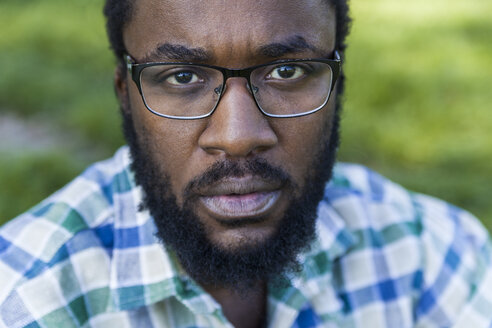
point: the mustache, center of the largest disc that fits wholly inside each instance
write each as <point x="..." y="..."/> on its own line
<point x="220" y="170"/>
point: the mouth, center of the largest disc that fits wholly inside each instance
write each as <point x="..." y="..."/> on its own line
<point x="238" y="198"/>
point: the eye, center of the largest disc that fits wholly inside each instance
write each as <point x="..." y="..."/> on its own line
<point x="286" y="72"/>
<point x="182" y="78"/>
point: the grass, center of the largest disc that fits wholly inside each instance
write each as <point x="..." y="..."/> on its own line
<point x="418" y="98"/>
<point x="60" y="67"/>
<point x="417" y="102"/>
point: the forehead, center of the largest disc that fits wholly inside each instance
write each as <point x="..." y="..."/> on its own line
<point x="230" y="29"/>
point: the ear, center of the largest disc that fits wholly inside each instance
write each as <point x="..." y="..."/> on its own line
<point x="121" y="87"/>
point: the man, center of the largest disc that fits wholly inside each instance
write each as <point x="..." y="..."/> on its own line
<point x="227" y="209"/>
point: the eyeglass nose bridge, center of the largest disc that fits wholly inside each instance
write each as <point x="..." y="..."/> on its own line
<point x="237" y="72"/>
<point x="240" y="72"/>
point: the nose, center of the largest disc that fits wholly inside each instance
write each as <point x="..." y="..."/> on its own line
<point x="237" y="128"/>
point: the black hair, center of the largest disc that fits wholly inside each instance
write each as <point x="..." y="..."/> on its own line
<point x="119" y="12"/>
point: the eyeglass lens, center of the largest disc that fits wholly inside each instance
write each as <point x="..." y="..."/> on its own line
<point x="290" y="88"/>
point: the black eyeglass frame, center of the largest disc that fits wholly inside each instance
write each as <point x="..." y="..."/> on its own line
<point x="135" y="70"/>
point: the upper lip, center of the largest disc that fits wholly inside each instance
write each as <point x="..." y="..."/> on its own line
<point x="239" y="186"/>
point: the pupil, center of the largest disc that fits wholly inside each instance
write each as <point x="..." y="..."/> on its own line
<point x="184" y="77"/>
<point x="286" y="71"/>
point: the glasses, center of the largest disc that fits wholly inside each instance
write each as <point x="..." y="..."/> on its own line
<point x="285" y="88"/>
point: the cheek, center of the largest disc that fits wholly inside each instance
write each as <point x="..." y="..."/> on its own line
<point x="170" y="144"/>
<point x="301" y="141"/>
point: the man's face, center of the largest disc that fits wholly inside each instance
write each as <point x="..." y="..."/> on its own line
<point x="236" y="171"/>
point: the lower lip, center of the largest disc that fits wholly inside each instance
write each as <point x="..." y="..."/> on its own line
<point x="240" y="206"/>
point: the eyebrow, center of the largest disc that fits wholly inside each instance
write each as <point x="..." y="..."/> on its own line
<point x="177" y="52"/>
<point x="292" y="45"/>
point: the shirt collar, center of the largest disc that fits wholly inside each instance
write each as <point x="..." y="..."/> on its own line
<point x="333" y="240"/>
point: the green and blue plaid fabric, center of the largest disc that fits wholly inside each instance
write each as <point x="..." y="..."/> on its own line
<point x="383" y="257"/>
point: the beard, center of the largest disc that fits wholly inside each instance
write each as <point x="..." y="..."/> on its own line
<point x="248" y="263"/>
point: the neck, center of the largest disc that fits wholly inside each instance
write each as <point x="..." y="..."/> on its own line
<point x="244" y="309"/>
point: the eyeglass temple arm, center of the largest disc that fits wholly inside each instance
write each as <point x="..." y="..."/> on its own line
<point x="129" y="62"/>
<point x="337" y="55"/>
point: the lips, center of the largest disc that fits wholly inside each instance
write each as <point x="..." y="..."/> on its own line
<point x="244" y="197"/>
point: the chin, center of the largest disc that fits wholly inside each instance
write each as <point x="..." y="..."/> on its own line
<point x="243" y="238"/>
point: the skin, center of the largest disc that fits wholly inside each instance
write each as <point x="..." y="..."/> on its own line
<point x="237" y="130"/>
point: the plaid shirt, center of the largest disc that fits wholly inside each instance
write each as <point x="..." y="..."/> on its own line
<point x="383" y="257"/>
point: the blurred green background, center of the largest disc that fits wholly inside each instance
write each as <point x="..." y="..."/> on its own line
<point x="418" y="103"/>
